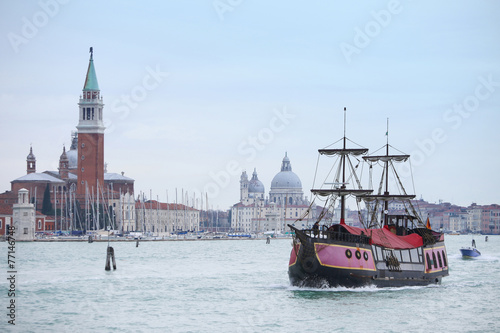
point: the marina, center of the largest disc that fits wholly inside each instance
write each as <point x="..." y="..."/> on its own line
<point x="235" y="286"/>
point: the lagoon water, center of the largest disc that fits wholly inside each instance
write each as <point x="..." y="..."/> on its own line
<point x="232" y="286"/>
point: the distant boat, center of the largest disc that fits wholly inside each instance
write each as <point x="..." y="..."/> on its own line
<point x="240" y="235"/>
<point x="470" y="252"/>
<point x="392" y="249"/>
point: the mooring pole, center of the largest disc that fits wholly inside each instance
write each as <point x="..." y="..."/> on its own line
<point x="110" y="255"/>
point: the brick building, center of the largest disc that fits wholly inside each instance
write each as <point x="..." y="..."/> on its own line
<point x="80" y="178"/>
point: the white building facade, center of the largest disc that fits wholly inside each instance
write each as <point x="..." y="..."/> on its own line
<point x="163" y="219"/>
<point x="23" y="217"/>
<point x="285" y="205"/>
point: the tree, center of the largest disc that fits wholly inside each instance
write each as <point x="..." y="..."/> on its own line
<point x="47" y="204"/>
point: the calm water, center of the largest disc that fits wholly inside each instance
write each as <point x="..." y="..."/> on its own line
<point x="233" y="286"/>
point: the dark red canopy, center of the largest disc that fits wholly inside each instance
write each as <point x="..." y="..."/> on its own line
<point x="386" y="238"/>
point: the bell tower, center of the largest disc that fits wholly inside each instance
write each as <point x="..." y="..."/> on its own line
<point x="243" y="186"/>
<point x="63" y="165"/>
<point x="90" y="171"/>
<point x="31" y="162"/>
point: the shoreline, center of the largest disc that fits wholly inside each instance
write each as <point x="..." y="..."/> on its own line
<point x="146" y="240"/>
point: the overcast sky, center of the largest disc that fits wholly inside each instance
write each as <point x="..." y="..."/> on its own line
<point x="196" y="91"/>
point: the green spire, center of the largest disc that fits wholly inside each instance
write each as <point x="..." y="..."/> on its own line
<point x="91" y="78"/>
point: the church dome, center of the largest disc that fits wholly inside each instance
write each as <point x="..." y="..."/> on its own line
<point x="286" y="178"/>
<point x="72" y="153"/>
<point x="31" y="157"/>
<point x="255" y="185"/>
<point x="72" y="156"/>
<point x="64" y="156"/>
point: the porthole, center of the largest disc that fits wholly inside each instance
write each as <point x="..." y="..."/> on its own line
<point x="83" y="144"/>
<point x="83" y="169"/>
<point x="348" y="254"/>
<point x="365" y="255"/>
<point x="358" y="254"/>
<point x="83" y="157"/>
<point x="82" y="182"/>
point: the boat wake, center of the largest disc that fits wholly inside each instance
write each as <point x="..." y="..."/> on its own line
<point x="364" y="289"/>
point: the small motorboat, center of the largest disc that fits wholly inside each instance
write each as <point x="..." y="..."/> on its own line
<point x="470" y="252"/>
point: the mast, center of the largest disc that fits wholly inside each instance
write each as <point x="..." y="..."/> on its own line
<point x="342" y="197"/>
<point x="339" y="188"/>
<point x="387" y="162"/>
<point x="386" y="202"/>
<point x="97" y="207"/>
<point x="55" y="205"/>
<point x="87" y="207"/>
<point x="167" y="222"/>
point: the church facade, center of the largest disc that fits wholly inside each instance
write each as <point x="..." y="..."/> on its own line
<point x="81" y="184"/>
<point x="286" y="204"/>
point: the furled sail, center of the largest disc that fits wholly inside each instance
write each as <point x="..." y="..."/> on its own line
<point x="387" y="158"/>
<point x="340" y="192"/>
<point x="389" y="197"/>
<point x="347" y="151"/>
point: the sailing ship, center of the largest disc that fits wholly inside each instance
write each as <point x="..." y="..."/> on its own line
<point x="392" y="248"/>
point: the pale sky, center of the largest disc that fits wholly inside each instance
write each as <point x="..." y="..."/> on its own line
<point x="197" y="91"/>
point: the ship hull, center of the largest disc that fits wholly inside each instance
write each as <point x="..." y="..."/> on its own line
<point x="319" y="263"/>
<point x="469" y="252"/>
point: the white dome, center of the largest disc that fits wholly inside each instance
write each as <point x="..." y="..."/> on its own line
<point x="286" y="178"/>
<point x="255" y="185"/>
<point x="72" y="158"/>
<point x="72" y="153"/>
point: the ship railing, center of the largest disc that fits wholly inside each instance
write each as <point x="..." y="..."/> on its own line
<point x="337" y="236"/>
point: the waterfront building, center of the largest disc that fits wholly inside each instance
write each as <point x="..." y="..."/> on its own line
<point x="5" y="217"/>
<point x="285" y="204"/>
<point x="161" y="219"/>
<point x="474" y="218"/>
<point x="23" y="217"/>
<point x="81" y="183"/>
<point x="490" y="219"/>
<point x="457" y="221"/>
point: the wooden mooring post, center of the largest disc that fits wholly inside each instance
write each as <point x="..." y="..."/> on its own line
<point x="110" y="256"/>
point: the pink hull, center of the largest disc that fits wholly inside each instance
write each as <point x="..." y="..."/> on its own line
<point x="345" y="257"/>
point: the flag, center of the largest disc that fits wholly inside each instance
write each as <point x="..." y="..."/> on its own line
<point x="428" y="225"/>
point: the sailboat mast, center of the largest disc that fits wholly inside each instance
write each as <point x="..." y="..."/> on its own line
<point x="342" y="197"/>
<point x="386" y="202"/>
